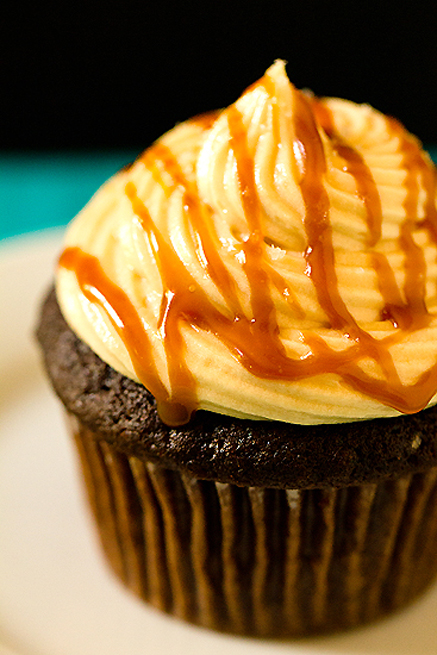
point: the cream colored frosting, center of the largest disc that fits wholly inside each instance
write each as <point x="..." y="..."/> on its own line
<point x="225" y="203"/>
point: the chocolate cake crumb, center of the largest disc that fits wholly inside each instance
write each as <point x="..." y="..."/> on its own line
<point x="217" y="447"/>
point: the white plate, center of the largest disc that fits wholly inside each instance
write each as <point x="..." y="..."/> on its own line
<point x="56" y="595"/>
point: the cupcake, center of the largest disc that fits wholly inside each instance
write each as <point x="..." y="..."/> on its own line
<point x="243" y="336"/>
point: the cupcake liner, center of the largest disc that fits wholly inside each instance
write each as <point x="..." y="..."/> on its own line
<point x="266" y="562"/>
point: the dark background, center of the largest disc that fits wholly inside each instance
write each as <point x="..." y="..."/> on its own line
<point x="117" y="75"/>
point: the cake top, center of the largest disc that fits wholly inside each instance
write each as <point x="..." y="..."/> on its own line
<point x="276" y="259"/>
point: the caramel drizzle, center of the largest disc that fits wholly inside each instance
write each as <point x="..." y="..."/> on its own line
<point x="415" y="165"/>
<point x="409" y="315"/>
<point x="355" y="166"/>
<point x="158" y="159"/>
<point x="98" y="288"/>
<point x="255" y="340"/>
<point x="412" y="313"/>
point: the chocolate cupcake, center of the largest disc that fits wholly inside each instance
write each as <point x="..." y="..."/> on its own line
<point x="244" y="338"/>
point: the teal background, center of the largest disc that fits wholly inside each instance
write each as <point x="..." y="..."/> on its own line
<point x="42" y="190"/>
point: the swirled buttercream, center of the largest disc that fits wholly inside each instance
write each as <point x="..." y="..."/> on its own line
<point x="276" y="259"/>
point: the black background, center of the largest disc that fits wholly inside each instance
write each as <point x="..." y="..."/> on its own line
<point x="117" y="75"/>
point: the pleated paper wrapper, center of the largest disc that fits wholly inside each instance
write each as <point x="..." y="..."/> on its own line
<point x="259" y="561"/>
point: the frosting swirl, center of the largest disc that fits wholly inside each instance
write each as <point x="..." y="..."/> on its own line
<point x="276" y="259"/>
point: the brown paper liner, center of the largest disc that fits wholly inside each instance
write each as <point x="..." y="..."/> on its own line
<point x="266" y="562"/>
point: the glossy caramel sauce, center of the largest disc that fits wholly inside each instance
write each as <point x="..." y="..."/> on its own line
<point x="98" y="288"/>
<point x="254" y="338"/>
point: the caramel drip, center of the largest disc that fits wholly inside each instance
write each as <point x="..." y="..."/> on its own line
<point x="319" y="253"/>
<point x="160" y="159"/>
<point x="264" y="313"/>
<point x="395" y="309"/>
<point x="182" y="297"/>
<point x="320" y="258"/>
<point x="357" y="167"/>
<point x="416" y="167"/>
<point x="410" y="314"/>
<point x="254" y="340"/>
<point x="98" y="288"/>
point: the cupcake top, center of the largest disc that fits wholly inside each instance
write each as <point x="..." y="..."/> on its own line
<point x="273" y="260"/>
